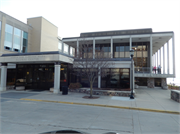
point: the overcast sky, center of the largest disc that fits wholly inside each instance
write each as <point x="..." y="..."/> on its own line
<point x="75" y="16"/>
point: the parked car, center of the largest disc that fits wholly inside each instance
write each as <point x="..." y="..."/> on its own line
<point x="113" y="81"/>
<point x="21" y="80"/>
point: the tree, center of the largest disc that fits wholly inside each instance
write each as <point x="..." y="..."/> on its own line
<point x="91" y="67"/>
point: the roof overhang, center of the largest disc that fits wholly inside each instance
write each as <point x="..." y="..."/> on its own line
<point x="37" y="57"/>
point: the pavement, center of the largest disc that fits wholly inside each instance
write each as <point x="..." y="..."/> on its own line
<point x="153" y="100"/>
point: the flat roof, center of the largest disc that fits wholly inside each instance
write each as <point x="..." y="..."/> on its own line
<point x="121" y="34"/>
<point x="36" y="53"/>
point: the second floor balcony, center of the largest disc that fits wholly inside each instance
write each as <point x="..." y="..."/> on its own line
<point x="148" y="72"/>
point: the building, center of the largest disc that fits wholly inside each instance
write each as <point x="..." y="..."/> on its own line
<point x="35" y="57"/>
<point x="32" y="54"/>
<point x="151" y="49"/>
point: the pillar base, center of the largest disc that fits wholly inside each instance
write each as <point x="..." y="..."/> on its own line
<point x="56" y="91"/>
<point x="2" y="88"/>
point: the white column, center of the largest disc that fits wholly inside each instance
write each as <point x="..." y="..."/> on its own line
<point x="3" y="76"/>
<point x="68" y="49"/>
<point x="93" y="48"/>
<point x="151" y="54"/>
<point x="111" y="47"/>
<point x="62" y="46"/>
<point x="77" y="48"/>
<point x="163" y="60"/>
<point x="57" y="74"/>
<point x="173" y="55"/>
<point x="168" y="57"/>
<point x="157" y="58"/>
<point x="99" y="78"/>
<point x="130" y="43"/>
<point x="160" y="56"/>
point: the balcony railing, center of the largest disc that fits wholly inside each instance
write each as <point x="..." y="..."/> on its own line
<point x="146" y="70"/>
<point x="141" y="70"/>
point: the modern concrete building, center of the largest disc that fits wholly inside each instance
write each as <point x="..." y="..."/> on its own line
<point x="32" y="54"/>
<point x="35" y="57"/>
<point x="148" y="45"/>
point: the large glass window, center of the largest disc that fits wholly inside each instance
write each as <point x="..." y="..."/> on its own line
<point x="17" y="40"/>
<point x="25" y="42"/>
<point x="141" y="54"/>
<point x="121" y="50"/>
<point x="87" y="51"/>
<point x="102" y="50"/>
<point x="115" y="78"/>
<point x="141" y="81"/>
<point x="8" y="37"/>
<point x="65" y="48"/>
<point x="72" y="51"/>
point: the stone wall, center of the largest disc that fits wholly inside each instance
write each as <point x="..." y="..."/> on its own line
<point x="150" y="83"/>
<point x="163" y="82"/>
<point x="103" y="92"/>
<point x="175" y="95"/>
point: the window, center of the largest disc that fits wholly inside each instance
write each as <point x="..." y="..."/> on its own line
<point x="8" y="37"/>
<point x="140" y="54"/>
<point x="115" y="78"/>
<point x="17" y="40"/>
<point x="72" y="51"/>
<point x="121" y="50"/>
<point x="102" y="50"/>
<point x="60" y="46"/>
<point x="25" y="42"/>
<point x="65" y="48"/>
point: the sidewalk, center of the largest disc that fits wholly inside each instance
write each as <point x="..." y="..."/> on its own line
<point x="145" y="99"/>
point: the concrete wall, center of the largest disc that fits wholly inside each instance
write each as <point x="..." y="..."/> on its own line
<point x="49" y="34"/>
<point x="44" y="35"/>
<point x="35" y="33"/>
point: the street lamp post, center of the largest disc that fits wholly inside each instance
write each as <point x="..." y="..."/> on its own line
<point x="131" y="55"/>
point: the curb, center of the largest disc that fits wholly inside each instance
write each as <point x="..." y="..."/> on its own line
<point x="110" y="106"/>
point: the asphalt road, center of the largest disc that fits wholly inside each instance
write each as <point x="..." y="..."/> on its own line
<point x="27" y="117"/>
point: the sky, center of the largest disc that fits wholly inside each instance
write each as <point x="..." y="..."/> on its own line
<point x="73" y="17"/>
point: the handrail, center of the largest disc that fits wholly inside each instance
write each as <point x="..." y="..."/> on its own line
<point x="146" y="70"/>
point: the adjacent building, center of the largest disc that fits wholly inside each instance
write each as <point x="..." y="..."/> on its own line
<point x="34" y="56"/>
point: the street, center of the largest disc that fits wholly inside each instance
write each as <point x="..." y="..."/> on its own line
<point x="30" y="117"/>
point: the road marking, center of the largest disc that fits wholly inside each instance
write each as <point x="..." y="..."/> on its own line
<point x="100" y="105"/>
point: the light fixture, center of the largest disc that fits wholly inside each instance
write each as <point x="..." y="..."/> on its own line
<point x="131" y="52"/>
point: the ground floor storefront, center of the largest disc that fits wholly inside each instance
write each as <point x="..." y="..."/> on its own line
<point x="41" y="77"/>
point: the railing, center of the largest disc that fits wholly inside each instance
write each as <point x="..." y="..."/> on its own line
<point x="146" y="70"/>
<point x="141" y="70"/>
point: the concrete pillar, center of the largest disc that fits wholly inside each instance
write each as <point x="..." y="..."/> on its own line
<point x="130" y="43"/>
<point x="77" y="48"/>
<point x="111" y="47"/>
<point x="160" y="56"/>
<point x="62" y="46"/>
<point x="173" y="55"/>
<point x="93" y="48"/>
<point x="57" y="74"/>
<point x="168" y="57"/>
<point x="151" y="54"/>
<point x="157" y="58"/>
<point x="3" y="76"/>
<point x="99" y="78"/>
<point x="163" y="59"/>
<point x="69" y="50"/>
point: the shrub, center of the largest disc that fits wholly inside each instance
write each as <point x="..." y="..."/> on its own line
<point x="75" y="85"/>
